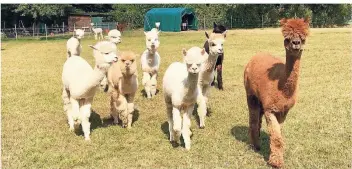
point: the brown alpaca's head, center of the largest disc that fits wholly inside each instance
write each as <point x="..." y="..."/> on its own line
<point x="127" y="62"/>
<point x="295" y="32"/>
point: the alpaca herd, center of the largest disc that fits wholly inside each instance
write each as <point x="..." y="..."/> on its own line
<point x="270" y="84"/>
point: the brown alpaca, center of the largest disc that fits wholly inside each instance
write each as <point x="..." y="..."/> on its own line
<point x="271" y="87"/>
<point x="123" y="84"/>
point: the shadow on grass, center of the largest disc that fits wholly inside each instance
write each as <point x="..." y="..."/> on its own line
<point x="241" y="134"/>
<point x="165" y="128"/>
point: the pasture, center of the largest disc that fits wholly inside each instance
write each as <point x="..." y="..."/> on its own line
<point x="317" y="131"/>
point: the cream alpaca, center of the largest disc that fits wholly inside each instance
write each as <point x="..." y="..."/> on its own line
<point x="123" y="84"/>
<point x="80" y="83"/>
<point x="73" y="44"/>
<point x="206" y="75"/>
<point x="180" y="91"/>
<point x="98" y="32"/>
<point x="150" y="62"/>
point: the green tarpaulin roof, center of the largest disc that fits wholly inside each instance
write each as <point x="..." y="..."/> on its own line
<point x="170" y="19"/>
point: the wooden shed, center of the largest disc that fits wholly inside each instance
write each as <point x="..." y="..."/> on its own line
<point x="83" y="20"/>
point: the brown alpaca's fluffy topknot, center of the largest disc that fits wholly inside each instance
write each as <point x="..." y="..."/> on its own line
<point x="295" y="27"/>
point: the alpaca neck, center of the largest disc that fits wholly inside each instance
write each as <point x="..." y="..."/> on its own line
<point x="191" y="84"/>
<point x="211" y="62"/>
<point x="291" y="73"/>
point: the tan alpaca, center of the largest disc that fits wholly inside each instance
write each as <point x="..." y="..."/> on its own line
<point x="123" y="84"/>
<point x="271" y="87"/>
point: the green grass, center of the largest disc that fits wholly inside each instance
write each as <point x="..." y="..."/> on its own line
<point x="317" y="130"/>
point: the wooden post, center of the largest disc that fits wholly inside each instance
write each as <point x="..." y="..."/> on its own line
<point x="16" y="31"/>
<point x="231" y="21"/>
<point x="262" y="21"/>
<point x="33" y="30"/>
<point x="63" y="28"/>
<point x="46" y="33"/>
<point x="204" y="22"/>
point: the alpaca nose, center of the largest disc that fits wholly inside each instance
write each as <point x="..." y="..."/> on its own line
<point x="194" y="68"/>
<point x="296" y="42"/>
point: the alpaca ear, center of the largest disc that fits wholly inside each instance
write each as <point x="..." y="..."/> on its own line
<point x="307" y="20"/>
<point x="203" y="51"/>
<point x="224" y="33"/>
<point x="93" y="47"/>
<point x="206" y="34"/>
<point x="184" y="52"/>
<point x="145" y="33"/>
<point x="283" y="21"/>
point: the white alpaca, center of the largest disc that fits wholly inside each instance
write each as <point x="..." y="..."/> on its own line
<point x="150" y="62"/>
<point x="80" y="83"/>
<point x="114" y="36"/>
<point x="180" y="92"/>
<point x="73" y="44"/>
<point x="98" y="32"/>
<point x="206" y="75"/>
<point x="123" y="84"/>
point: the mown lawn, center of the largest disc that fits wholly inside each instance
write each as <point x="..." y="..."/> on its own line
<point x="317" y="130"/>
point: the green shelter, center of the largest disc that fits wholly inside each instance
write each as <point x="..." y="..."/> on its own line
<point x="170" y="19"/>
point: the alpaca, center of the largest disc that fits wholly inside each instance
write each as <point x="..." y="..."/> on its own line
<point x="150" y="62"/>
<point x="271" y="87"/>
<point x="215" y="41"/>
<point x="123" y="84"/>
<point x="80" y="82"/>
<point x="114" y="36"/>
<point x="218" y="65"/>
<point x="73" y="44"/>
<point x="180" y="92"/>
<point x="98" y="32"/>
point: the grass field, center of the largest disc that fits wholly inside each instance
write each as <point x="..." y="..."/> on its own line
<point x="317" y="130"/>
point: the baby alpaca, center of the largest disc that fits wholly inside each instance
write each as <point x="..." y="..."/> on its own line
<point x="150" y="62"/>
<point x="206" y="75"/>
<point x="80" y="83"/>
<point x="123" y="84"/>
<point x="73" y="44"/>
<point x="180" y="92"/>
<point x="272" y="87"/>
<point x="98" y="32"/>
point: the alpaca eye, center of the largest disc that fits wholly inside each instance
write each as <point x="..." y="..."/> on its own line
<point x="132" y="60"/>
<point x="198" y="65"/>
<point x="123" y="60"/>
<point x="213" y="44"/>
<point x="149" y="39"/>
<point x="106" y="53"/>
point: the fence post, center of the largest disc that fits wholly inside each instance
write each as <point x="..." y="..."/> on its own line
<point x="16" y="31"/>
<point x="204" y="22"/>
<point x="63" y="28"/>
<point x="33" y="30"/>
<point x="46" y="33"/>
<point x="262" y="21"/>
<point x="231" y="21"/>
<point x="4" y="25"/>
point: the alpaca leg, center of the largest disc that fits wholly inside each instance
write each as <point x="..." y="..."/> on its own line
<point x="85" y="114"/>
<point x="145" y="82"/>
<point x="101" y="35"/>
<point x="254" y="121"/>
<point x="202" y="106"/>
<point x="95" y="36"/>
<point x="130" y="109"/>
<point x="73" y="114"/>
<point x="177" y="120"/>
<point x="186" y="125"/>
<point x="104" y="84"/>
<point x="114" y="105"/>
<point x="276" y="158"/>
<point x="123" y="111"/>
<point x="219" y="77"/>
<point x="169" y="117"/>
<point x="66" y="99"/>
<point x="153" y="85"/>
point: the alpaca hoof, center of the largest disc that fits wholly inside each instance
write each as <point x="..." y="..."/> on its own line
<point x="201" y="127"/>
<point x="71" y="129"/>
<point x="255" y="147"/>
<point x="221" y="88"/>
<point x="276" y="161"/>
<point x="174" y="144"/>
<point x="87" y="138"/>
